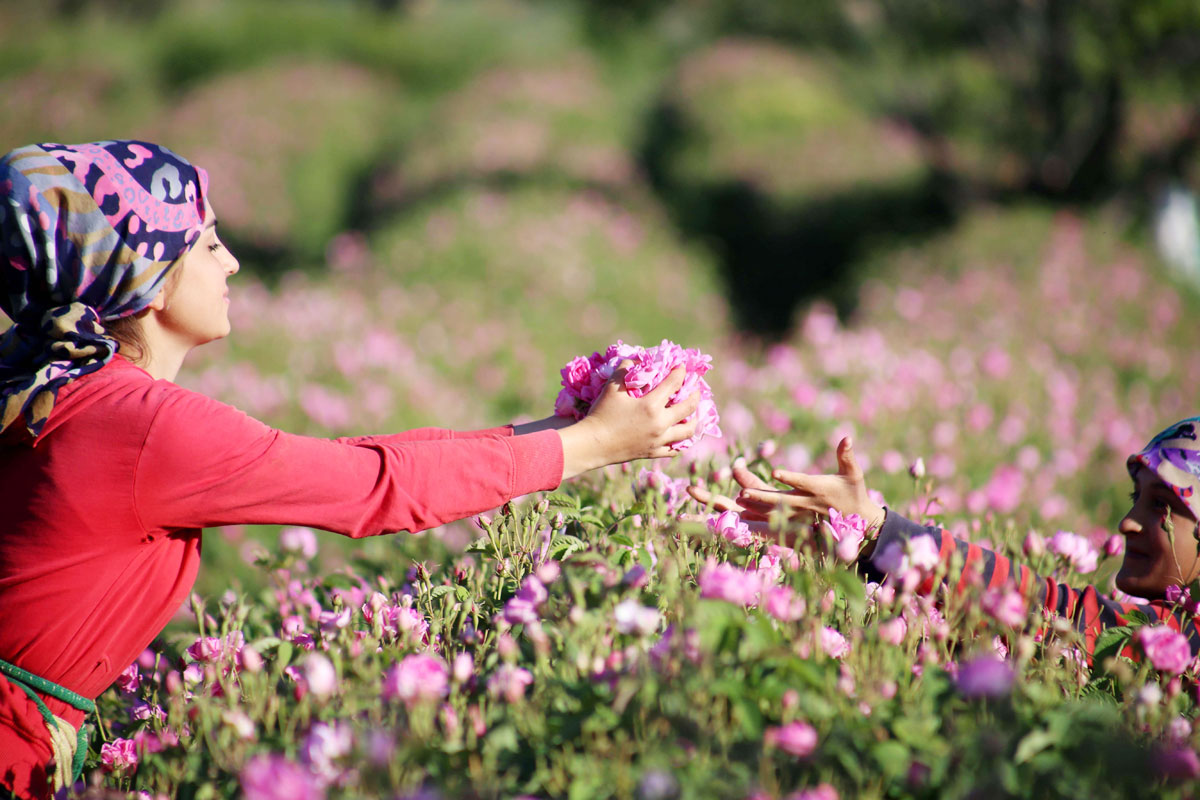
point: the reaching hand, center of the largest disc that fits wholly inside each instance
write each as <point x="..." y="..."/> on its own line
<point x="816" y="494"/>
<point x="620" y="427"/>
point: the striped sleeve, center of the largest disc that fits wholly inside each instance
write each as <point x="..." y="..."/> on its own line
<point x="964" y="563"/>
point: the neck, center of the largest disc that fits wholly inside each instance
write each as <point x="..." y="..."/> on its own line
<point x="164" y="353"/>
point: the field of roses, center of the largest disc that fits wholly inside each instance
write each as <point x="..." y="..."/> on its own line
<point x="507" y="199"/>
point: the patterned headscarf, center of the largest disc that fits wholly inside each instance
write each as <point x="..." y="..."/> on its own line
<point x="1174" y="456"/>
<point x="87" y="235"/>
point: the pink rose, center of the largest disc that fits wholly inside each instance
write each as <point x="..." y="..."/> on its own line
<point x="118" y="755"/>
<point x="729" y="526"/>
<point x="783" y="604"/>
<point x="418" y="678"/>
<point x="1167" y="650"/>
<point x="509" y="682"/>
<point x="795" y="738"/>
<point x="732" y="584"/>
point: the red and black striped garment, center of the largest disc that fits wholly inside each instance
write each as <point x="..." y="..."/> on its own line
<point x="1090" y="609"/>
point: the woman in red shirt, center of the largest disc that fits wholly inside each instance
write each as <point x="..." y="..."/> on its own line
<point x="112" y="271"/>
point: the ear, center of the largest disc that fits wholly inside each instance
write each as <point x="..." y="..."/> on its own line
<point x="159" y="302"/>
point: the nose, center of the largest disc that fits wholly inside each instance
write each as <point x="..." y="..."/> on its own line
<point x="231" y="263"/>
<point x="1128" y="526"/>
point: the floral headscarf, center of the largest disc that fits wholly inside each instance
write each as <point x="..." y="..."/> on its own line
<point x="1174" y="456"/>
<point x="88" y="233"/>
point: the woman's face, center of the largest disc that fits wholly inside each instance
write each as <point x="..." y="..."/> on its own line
<point x="1152" y="562"/>
<point x="197" y="310"/>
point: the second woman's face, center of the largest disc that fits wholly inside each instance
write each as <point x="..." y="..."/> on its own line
<point x="1152" y="560"/>
<point x="198" y="308"/>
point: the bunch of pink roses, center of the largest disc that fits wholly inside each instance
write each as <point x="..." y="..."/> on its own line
<point x="584" y="377"/>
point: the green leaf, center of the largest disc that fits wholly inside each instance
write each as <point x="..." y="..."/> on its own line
<point x="1137" y="618"/>
<point x="283" y="655"/>
<point x="565" y="544"/>
<point x="1110" y="643"/>
<point x="1033" y="743"/>
<point x="620" y="538"/>
<point x="852" y="589"/>
<point x="462" y="593"/>
<point x="481" y="545"/>
<point x="559" y="500"/>
<point x="892" y="757"/>
<point x="438" y="592"/>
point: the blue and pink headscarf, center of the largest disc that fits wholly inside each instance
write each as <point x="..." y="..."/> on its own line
<point x="1174" y="456"/>
<point x="88" y="233"/>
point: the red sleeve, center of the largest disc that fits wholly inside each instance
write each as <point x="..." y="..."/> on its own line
<point x="427" y="435"/>
<point x="207" y="464"/>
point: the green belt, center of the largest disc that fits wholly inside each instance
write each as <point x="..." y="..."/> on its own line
<point x="30" y="682"/>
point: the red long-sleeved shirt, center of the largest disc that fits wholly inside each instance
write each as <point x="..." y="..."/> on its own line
<point x="1089" y="609"/>
<point x="100" y="529"/>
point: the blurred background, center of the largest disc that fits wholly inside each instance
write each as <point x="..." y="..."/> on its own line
<point x="963" y="231"/>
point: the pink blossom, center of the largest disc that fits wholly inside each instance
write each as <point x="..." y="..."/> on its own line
<point x="1114" y="545"/>
<point x="1006" y="606"/>
<point x="302" y="541"/>
<point x="984" y="676"/>
<point x="464" y="667"/>
<point x="1167" y="650"/>
<point x="129" y="679"/>
<point x="509" y="682"/>
<point x="584" y="378"/>
<point x="729" y="525"/>
<point x="318" y="676"/>
<point x="822" y="791"/>
<point x="848" y="531"/>
<point x="784" y="604"/>
<point x="893" y="631"/>
<point x="732" y="584"/>
<point x="418" y="678"/>
<point x="323" y="747"/>
<point x="118" y="755"/>
<point x="1075" y="549"/>
<point x="833" y="643"/>
<point x="1034" y="545"/>
<point x="276" y="778"/>
<point x="634" y="618"/>
<point x="795" y="738"/>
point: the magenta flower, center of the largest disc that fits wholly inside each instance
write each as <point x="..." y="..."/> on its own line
<point x="1006" y="606"/>
<point x="318" y="676"/>
<point x="732" y="584"/>
<point x="509" y="682"/>
<point x="276" y="778"/>
<point x="833" y="643"/>
<point x="301" y="541"/>
<point x="729" y="526"/>
<point x="1178" y="763"/>
<point x="783" y="604"/>
<point x="795" y="738"/>
<point x="823" y="791"/>
<point x="848" y="532"/>
<point x="1167" y="650"/>
<point x="129" y="680"/>
<point x="584" y="378"/>
<point x="418" y="678"/>
<point x="634" y="618"/>
<point x="1076" y="550"/>
<point x="984" y="676"/>
<point x="893" y="631"/>
<point x="119" y="755"/>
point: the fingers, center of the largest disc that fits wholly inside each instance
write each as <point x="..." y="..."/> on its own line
<point x="670" y="385"/>
<point x="718" y="501"/>
<point x="771" y="499"/>
<point x="680" y="431"/>
<point x="685" y="408"/>
<point x="797" y="480"/>
<point x="747" y="479"/>
<point x="847" y="463"/>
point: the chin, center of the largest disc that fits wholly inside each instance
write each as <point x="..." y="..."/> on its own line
<point x="1139" y="585"/>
